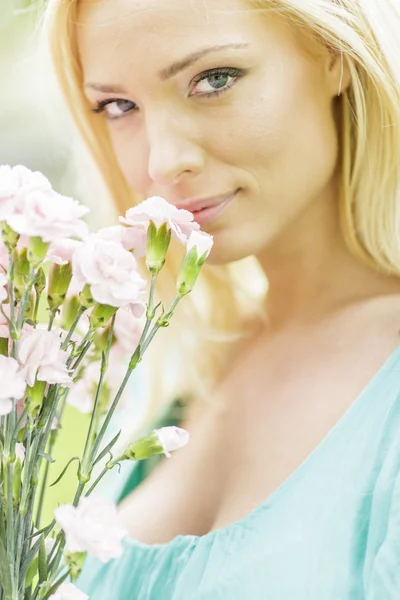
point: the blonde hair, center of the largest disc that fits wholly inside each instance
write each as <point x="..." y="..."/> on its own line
<point x="366" y="34"/>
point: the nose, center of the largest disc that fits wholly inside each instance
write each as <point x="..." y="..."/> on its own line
<point x="174" y="154"/>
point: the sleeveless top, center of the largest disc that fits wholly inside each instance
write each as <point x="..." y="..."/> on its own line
<point x="331" y="531"/>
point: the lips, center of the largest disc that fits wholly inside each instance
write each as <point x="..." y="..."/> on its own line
<point x="198" y="204"/>
<point x="208" y="214"/>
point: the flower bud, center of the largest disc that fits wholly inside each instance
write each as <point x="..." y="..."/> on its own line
<point x="10" y="237"/>
<point x="158" y="241"/>
<point x="75" y="561"/>
<point x="36" y="397"/>
<point x="59" y="279"/>
<point x="101" y="314"/>
<point x="4" y="346"/>
<point x="17" y="480"/>
<point x="21" y="270"/>
<point x="37" y="251"/>
<point x="85" y="297"/>
<point x="159" y="441"/>
<point x="40" y="282"/>
<point x="100" y="339"/>
<point x="198" y="248"/>
<point x="69" y="311"/>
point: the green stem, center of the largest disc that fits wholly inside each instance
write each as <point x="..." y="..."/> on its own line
<point x="51" y="320"/>
<point x="143" y="347"/>
<point x="85" y="464"/>
<point x="43" y="483"/>
<point x="12" y="300"/>
<point x="36" y="309"/>
<point x="73" y="327"/>
<point x="22" y="306"/>
<point x="100" y="477"/>
<point x="79" y="359"/>
<point x="109" y="416"/>
<point x="87" y="339"/>
<point x="10" y="521"/>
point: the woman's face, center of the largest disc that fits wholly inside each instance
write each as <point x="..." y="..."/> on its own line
<point x="205" y="101"/>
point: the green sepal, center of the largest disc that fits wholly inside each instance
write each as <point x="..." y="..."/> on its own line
<point x="4" y="346"/>
<point x="101" y="314"/>
<point x="75" y="562"/>
<point x="189" y="271"/>
<point x="37" y="250"/>
<point x="35" y="397"/>
<point x="40" y="282"/>
<point x="85" y="297"/>
<point x="10" y="237"/>
<point x="21" y="270"/>
<point x="69" y="311"/>
<point x="157" y="244"/>
<point x="59" y="279"/>
<point x="144" y="447"/>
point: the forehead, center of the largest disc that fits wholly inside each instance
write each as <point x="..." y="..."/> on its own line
<point x="136" y="29"/>
<point x="152" y="13"/>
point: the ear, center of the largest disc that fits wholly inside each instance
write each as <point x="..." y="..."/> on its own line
<point x="338" y="71"/>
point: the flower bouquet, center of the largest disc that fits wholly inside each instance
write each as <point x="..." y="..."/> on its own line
<point x="98" y="308"/>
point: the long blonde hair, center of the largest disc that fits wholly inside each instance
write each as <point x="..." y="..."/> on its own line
<point x="215" y="313"/>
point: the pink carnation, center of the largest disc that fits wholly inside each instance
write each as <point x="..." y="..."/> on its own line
<point x="132" y="238"/>
<point x="68" y="591"/>
<point x="13" y="384"/>
<point x="127" y="330"/>
<point x="41" y="357"/>
<point x="92" y="527"/>
<point x="15" y="184"/>
<point x="157" y="209"/>
<point x="50" y="216"/>
<point x="60" y="251"/>
<point x="111" y="271"/>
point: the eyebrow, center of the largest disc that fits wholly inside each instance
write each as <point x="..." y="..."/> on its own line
<point x="172" y="70"/>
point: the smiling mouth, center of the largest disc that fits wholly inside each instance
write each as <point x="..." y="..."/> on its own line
<point x="209" y="213"/>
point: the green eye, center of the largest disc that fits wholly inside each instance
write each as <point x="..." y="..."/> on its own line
<point x="217" y="80"/>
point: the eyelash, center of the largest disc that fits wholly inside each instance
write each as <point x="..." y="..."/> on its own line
<point x="232" y="72"/>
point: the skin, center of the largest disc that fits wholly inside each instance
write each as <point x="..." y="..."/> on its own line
<point x="273" y="134"/>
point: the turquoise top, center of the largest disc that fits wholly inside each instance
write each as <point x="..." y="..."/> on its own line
<point x="331" y="531"/>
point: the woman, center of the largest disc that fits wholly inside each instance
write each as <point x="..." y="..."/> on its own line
<point x="276" y="122"/>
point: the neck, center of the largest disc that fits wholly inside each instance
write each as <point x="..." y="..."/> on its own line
<point x="310" y="271"/>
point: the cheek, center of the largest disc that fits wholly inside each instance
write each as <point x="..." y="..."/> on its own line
<point x="132" y="156"/>
<point x="293" y="140"/>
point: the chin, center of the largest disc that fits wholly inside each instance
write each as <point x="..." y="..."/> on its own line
<point x="225" y="253"/>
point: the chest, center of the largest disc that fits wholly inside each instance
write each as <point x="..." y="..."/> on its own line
<point x="273" y="409"/>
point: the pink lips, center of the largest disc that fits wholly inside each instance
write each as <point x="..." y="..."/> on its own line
<point x="207" y="209"/>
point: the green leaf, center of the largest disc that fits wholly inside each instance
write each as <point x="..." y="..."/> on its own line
<point x="32" y="570"/>
<point x="107" y="448"/>
<point x="46" y="530"/>
<point x="49" y="458"/>
<point x="5" y="571"/>
<point x="28" y="560"/>
<point x="65" y="469"/>
<point x="42" y="567"/>
<point x="55" y="587"/>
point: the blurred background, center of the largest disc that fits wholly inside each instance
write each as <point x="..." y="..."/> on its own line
<point x="36" y="131"/>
